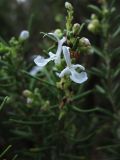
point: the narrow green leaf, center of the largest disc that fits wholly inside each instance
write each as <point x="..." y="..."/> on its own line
<point x="108" y="146"/>
<point x="116" y="52"/>
<point x="62" y="114"/>
<point x="51" y="48"/>
<point x="117" y="17"/>
<point x="7" y="85"/>
<point x="84" y="110"/>
<point x="4" y="101"/>
<point x="4" y="152"/>
<point x="28" y="122"/>
<point x="116" y="88"/>
<point x="97" y="72"/>
<point x="82" y="26"/>
<point x="22" y="133"/>
<point x="81" y="95"/>
<point x="83" y="138"/>
<point x="107" y="112"/>
<point x="34" y="150"/>
<point x="14" y="158"/>
<point x="42" y="81"/>
<point x="95" y="9"/>
<point x="73" y="157"/>
<point x="116" y="33"/>
<point x="30" y="22"/>
<point x="117" y="72"/>
<point x="48" y="75"/>
<point x="100" y="89"/>
<point x="49" y="36"/>
<point x="98" y="52"/>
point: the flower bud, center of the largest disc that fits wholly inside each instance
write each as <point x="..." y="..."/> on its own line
<point x="94" y="26"/>
<point x="84" y="45"/>
<point x="24" y="35"/>
<point x="84" y="42"/>
<point x="58" y="32"/>
<point x="76" y="29"/>
<point x="105" y="11"/>
<point x="93" y="16"/>
<point x="27" y="93"/>
<point x="68" y="6"/>
<point x="91" y="27"/>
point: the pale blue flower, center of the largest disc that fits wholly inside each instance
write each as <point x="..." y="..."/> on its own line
<point x="71" y="69"/>
<point x="35" y="70"/>
<point x="41" y="61"/>
<point x="24" y="35"/>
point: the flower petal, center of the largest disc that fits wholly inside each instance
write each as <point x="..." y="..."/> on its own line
<point x="63" y="40"/>
<point x="66" y="53"/>
<point x="78" y="77"/>
<point x="52" y="56"/>
<point x="58" y="54"/>
<point x="41" y="61"/>
<point x="59" y="50"/>
<point x="64" y="72"/>
<point x="35" y="70"/>
<point x="75" y="66"/>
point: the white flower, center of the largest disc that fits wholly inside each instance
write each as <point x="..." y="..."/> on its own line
<point x="29" y="100"/>
<point x="21" y="1"/>
<point x="24" y="35"/>
<point x="35" y="70"/>
<point x="71" y="68"/>
<point x="41" y="61"/>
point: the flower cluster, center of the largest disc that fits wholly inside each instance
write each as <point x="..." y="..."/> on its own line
<point x="70" y="70"/>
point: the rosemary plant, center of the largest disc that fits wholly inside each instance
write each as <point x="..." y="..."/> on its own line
<point x="63" y="103"/>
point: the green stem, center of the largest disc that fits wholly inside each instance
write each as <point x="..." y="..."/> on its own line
<point x="109" y="79"/>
